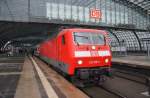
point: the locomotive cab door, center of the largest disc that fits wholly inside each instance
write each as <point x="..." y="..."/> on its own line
<point x="61" y="53"/>
<point x="63" y="47"/>
<point x="60" y="47"/>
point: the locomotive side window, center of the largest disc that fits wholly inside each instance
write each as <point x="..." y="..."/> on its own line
<point x="63" y="40"/>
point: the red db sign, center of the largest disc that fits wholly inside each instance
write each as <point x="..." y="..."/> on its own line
<point x="95" y="13"/>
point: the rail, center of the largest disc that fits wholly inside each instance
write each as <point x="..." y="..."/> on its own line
<point x="148" y="84"/>
<point x="113" y="92"/>
<point x="144" y="77"/>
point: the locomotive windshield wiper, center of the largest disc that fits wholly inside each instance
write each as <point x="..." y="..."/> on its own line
<point x="82" y="36"/>
<point x="78" y="43"/>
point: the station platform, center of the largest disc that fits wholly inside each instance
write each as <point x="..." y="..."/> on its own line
<point x="10" y="71"/>
<point x="133" y="61"/>
<point x="38" y="80"/>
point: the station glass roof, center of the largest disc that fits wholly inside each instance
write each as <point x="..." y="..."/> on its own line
<point x="145" y="4"/>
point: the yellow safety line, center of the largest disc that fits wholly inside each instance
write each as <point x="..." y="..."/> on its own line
<point x="48" y="88"/>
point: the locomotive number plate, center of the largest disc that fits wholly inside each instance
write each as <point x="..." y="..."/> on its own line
<point x="94" y="62"/>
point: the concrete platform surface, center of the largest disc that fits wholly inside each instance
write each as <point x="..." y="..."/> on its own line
<point x="135" y="61"/>
<point x="27" y="86"/>
<point x="40" y="81"/>
<point x="64" y="88"/>
<point x="10" y="73"/>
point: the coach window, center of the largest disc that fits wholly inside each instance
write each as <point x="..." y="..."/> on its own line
<point x="63" y="39"/>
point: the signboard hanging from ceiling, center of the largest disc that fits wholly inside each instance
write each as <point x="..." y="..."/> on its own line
<point x="95" y="13"/>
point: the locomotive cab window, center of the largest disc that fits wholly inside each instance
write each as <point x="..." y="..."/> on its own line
<point x="63" y="39"/>
<point x="89" y="38"/>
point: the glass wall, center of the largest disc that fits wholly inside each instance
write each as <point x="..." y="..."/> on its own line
<point x="112" y="40"/>
<point x="142" y="35"/>
<point x="68" y="12"/>
<point x="114" y="12"/>
<point x="129" y="38"/>
<point x="132" y="39"/>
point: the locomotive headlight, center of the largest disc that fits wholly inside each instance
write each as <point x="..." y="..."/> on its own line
<point x="93" y="47"/>
<point x="80" y="62"/>
<point x="106" y="60"/>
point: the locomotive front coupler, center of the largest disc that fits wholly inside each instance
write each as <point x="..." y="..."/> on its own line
<point x="90" y="76"/>
<point x="92" y="73"/>
<point x="109" y="72"/>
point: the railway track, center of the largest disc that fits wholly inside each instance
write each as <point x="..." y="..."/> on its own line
<point x="138" y="71"/>
<point x="114" y="92"/>
<point x="132" y="76"/>
<point x="102" y="92"/>
<point x="136" y="78"/>
<point x="111" y="90"/>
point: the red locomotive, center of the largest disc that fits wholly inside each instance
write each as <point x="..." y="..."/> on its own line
<point x="81" y="53"/>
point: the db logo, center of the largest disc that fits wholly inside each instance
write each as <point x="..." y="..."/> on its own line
<point x="95" y="13"/>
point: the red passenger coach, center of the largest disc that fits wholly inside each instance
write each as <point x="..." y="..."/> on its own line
<point x="79" y="53"/>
